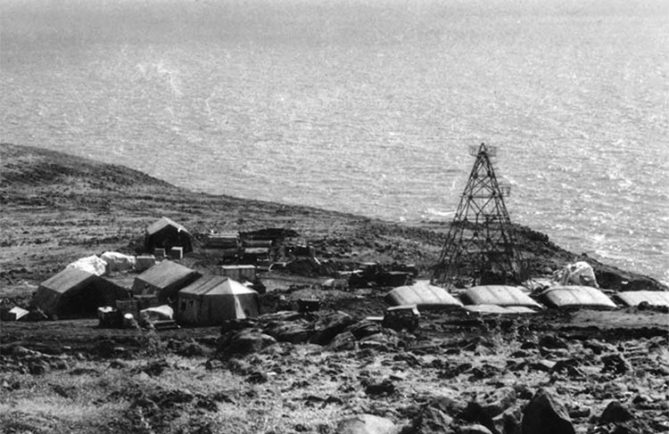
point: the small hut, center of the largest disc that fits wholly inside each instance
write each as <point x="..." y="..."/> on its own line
<point x="212" y="299"/>
<point x="165" y="233"/>
<point x="76" y="293"/>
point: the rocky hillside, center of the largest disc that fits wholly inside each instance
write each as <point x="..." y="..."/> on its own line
<point x="58" y="207"/>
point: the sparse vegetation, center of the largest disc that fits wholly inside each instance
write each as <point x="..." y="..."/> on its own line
<point x="71" y="377"/>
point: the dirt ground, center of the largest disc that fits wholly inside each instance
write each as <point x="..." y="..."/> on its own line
<point x="71" y="376"/>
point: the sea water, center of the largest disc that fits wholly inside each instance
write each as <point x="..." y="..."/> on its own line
<point x="365" y="106"/>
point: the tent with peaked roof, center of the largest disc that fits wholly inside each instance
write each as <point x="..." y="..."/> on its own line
<point x="164" y="280"/>
<point x="212" y="299"/>
<point x="166" y="233"/>
<point x="76" y="293"/>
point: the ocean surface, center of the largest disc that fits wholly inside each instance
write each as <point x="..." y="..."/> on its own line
<point x="365" y="106"/>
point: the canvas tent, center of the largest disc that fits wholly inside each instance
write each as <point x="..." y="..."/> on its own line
<point x="499" y="295"/>
<point x="76" y="293"/>
<point x="573" y="296"/>
<point x="578" y="274"/>
<point x="164" y="280"/>
<point x="423" y="295"/>
<point x="212" y="299"/>
<point x="165" y="233"/>
<point x="652" y="298"/>
<point x="91" y="264"/>
<point x="118" y="261"/>
<point x="493" y="309"/>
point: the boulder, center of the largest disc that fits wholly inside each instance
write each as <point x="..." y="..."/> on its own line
<point x="246" y="341"/>
<point x="365" y="328"/>
<point x="366" y="424"/>
<point x="237" y="324"/>
<point x="257" y="377"/>
<point x="510" y="422"/>
<point x="38" y="367"/>
<point x="599" y="347"/>
<point x="499" y="401"/>
<point x="615" y="412"/>
<point x="552" y="342"/>
<point x="379" y="342"/>
<point x="343" y="342"/>
<point x="615" y="363"/>
<point x="474" y="413"/>
<point x="545" y="415"/>
<point x="213" y="364"/>
<point x="330" y="324"/>
<point x="282" y="315"/>
<point x="435" y="416"/>
<point x="474" y="429"/>
<point x="380" y="388"/>
<point x="295" y="332"/>
<point x="153" y="368"/>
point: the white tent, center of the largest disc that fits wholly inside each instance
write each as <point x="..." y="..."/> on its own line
<point x="212" y="299"/>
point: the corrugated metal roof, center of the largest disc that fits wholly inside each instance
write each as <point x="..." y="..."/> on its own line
<point x="162" y="223"/>
<point x="495" y="309"/>
<point x="216" y="285"/>
<point x="165" y="273"/>
<point x="576" y="296"/>
<point x="499" y="295"/>
<point x="422" y="294"/>
<point x="654" y="298"/>
<point x="67" y="279"/>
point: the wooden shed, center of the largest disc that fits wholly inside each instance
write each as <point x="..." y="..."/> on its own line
<point x="165" y="233"/>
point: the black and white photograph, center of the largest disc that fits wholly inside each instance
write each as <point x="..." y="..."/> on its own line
<point x="334" y="216"/>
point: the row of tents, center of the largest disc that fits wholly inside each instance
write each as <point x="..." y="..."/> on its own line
<point x="83" y="286"/>
<point x="502" y="299"/>
<point x="198" y="299"/>
<point x="209" y="299"/>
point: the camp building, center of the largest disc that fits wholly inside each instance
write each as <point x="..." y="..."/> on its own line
<point x="76" y="293"/>
<point x="165" y="233"/>
<point x="164" y="280"/>
<point x="212" y="299"/>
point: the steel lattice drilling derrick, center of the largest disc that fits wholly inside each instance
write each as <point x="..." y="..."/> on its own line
<point x="480" y="246"/>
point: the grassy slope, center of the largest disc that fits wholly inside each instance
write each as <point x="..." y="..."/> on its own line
<point x="58" y="207"/>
